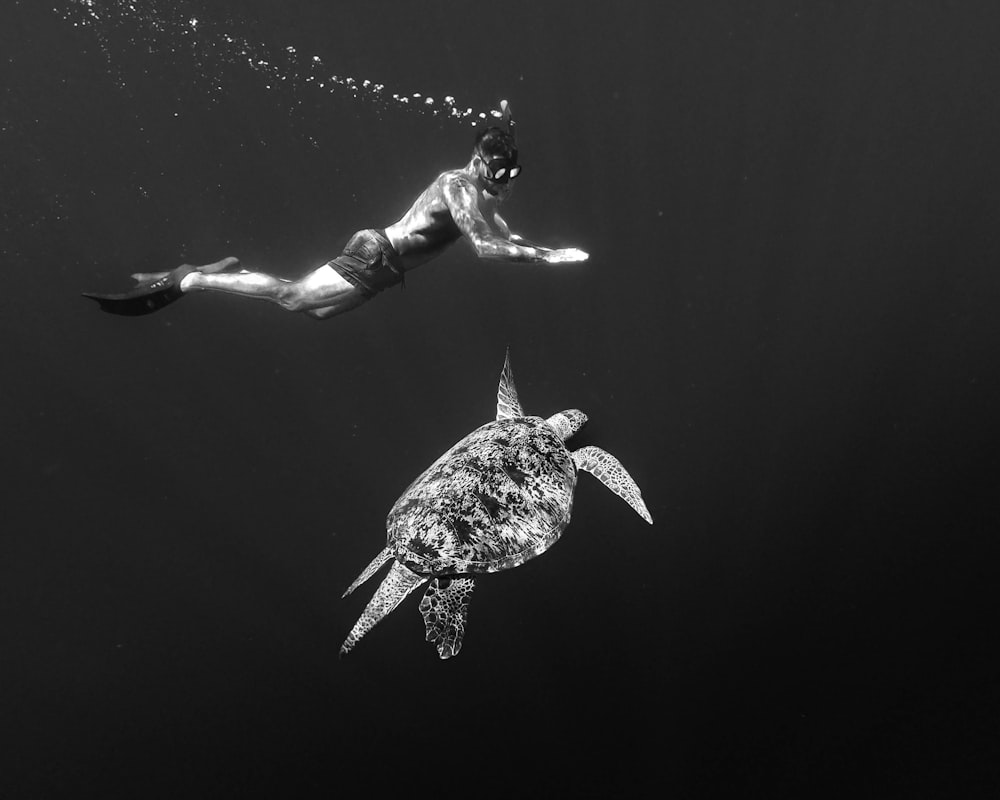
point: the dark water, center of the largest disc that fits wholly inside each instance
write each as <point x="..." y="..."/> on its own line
<point x="787" y="331"/>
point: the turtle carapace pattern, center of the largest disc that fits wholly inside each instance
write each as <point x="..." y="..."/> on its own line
<point x="497" y="498"/>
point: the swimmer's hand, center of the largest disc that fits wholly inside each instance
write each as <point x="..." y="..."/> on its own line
<point x="567" y="255"/>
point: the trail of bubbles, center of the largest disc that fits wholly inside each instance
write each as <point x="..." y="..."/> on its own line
<point x="161" y="28"/>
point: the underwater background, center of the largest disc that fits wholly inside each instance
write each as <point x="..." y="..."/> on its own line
<point x="787" y="331"/>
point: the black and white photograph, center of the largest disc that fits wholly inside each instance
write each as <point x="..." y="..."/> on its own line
<point x="531" y="399"/>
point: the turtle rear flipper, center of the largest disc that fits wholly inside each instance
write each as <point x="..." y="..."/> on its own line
<point x="609" y="471"/>
<point x="397" y="584"/>
<point x="445" y="608"/>
<point x="370" y="570"/>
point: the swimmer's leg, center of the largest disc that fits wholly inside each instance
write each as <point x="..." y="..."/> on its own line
<point x="321" y="294"/>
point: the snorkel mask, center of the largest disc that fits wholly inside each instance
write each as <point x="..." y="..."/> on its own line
<point x="503" y="170"/>
<point x="500" y="170"/>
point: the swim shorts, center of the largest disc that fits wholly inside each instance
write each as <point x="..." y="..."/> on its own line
<point x="369" y="262"/>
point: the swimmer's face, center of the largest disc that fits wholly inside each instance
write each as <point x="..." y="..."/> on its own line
<point x="494" y="178"/>
<point x="501" y="191"/>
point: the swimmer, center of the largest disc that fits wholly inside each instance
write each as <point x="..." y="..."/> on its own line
<point x="458" y="203"/>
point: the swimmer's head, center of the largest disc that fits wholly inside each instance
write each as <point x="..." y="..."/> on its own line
<point x="495" y="156"/>
<point x="495" y="160"/>
<point x="495" y="142"/>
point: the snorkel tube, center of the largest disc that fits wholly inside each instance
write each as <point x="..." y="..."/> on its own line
<point x="508" y="119"/>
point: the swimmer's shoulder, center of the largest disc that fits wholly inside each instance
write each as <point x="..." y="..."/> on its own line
<point x="454" y="177"/>
<point x="456" y="182"/>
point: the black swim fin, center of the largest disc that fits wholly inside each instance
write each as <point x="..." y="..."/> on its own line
<point x="150" y="296"/>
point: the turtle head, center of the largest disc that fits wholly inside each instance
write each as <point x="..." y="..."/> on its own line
<point x="566" y="423"/>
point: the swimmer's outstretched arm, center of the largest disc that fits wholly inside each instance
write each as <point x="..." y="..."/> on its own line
<point x="518" y="239"/>
<point x="489" y="245"/>
<point x="460" y="196"/>
<point x="550" y="255"/>
<point x="504" y="228"/>
<point x="554" y="256"/>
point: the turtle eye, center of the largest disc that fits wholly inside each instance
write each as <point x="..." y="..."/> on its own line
<point x="514" y="172"/>
<point x="500" y="173"/>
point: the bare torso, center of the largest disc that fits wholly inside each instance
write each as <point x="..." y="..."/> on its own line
<point x="451" y="207"/>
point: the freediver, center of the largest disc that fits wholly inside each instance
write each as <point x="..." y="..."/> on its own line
<point x="459" y="202"/>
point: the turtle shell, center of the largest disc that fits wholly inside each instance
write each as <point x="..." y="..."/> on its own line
<point x="497" y="498"/>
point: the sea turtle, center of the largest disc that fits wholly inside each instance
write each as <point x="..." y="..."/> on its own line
<point x="499" y="497"/>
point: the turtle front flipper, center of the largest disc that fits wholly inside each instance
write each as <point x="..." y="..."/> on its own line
<point x="445" y="608"/>
<point x="397" y="584"/>
<point x="508" y="406"/>
<point x="609" y="471"/>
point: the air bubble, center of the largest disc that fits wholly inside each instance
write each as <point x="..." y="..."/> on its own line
<point x="125" y="28"/>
